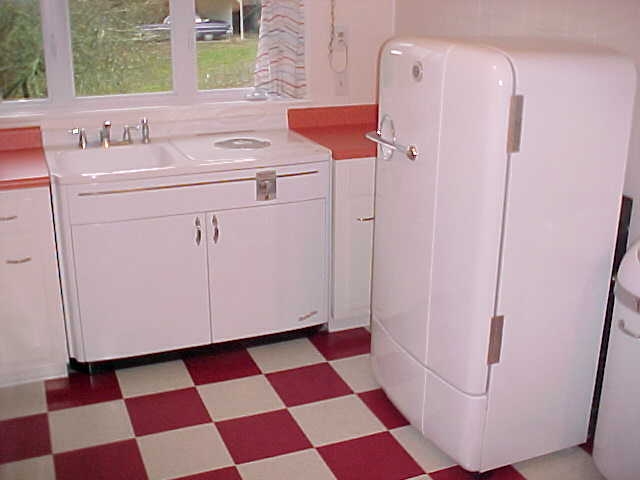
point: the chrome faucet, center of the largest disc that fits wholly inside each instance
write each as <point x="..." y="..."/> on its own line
<point x="82" y="136"/>
<point x="105" y="134"/>
<point x="144" y="129"/>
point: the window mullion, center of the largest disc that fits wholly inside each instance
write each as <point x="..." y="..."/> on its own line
<point x="183" y="49"/>
<point x="57" y="50"/>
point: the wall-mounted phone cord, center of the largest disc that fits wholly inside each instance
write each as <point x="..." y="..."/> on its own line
<point x="337" y="44"/>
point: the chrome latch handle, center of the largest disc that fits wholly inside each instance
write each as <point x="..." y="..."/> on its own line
<point x="411" y="152"/>
<point x="198" y="238"/>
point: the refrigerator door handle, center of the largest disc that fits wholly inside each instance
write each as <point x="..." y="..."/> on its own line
<point x="411" y="151"/>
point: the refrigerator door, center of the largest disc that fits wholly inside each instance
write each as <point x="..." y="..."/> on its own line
<point x="439" y="218"/>
<point x="410" y="105"/>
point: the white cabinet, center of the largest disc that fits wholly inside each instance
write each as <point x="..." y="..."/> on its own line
<point x="142" y="285"/>
<point x="353" y="185"/>
<point x="161" y="264"/>
<point x="32" y="342"/>
<point x="267" y="269"/>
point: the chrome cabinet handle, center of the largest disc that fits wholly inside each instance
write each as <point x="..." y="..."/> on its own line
<point x="9" y="218"/>
<point x="365" y="219"/>
<point x="623" y="327"/>
<point x="216" y="230"/>
<point x="18" y="262"/>
<point x="198" y="231"/>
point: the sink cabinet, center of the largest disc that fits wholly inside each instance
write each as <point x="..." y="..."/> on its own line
<point x="161" y="264"/>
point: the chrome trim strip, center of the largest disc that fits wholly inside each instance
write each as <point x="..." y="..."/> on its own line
<point x="182" y="185"/>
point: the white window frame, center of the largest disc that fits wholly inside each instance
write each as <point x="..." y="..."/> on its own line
<point x="58" y="57"/>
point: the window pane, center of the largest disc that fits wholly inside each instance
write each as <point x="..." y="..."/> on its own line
<point x="121" y="46"/>
<point x="22" y="72"/>
<point x="226" y="53"/>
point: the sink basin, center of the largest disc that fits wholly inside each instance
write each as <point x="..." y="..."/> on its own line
<point x="98" y="161"/>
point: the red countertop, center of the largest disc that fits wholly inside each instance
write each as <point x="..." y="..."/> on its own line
<point x="22" y="161"/>
<point x="340" y="129"/>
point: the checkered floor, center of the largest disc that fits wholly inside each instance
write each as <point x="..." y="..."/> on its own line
<point x="307" y="408"/>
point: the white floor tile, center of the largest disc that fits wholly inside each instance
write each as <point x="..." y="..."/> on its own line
<point x="335" y="420"/>
<point x="182" y="452"/>
<point x="154" y="378"/>
<point x="89" y="425"/>
<point x="22" y="400"/>
<point x="570" y="464"/>
<point x="39" y="468"/>
<point x="285" y="355"/>
<point x="356" y="372"/>
<point x="307" y="465"/>
<point x="239" y="397"/>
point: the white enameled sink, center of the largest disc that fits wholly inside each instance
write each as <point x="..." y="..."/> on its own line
<point x="119" y="159"/>
<point x="196" y="154"/>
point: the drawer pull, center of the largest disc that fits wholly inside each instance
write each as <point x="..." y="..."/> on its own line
<point x="216" y="230"/>
<point x="198" y="231"/>
<point x="365" y="219"/>
<point x="18" y="262"/>
<point x="626" y="331"/>
<point x="9" y="218"/>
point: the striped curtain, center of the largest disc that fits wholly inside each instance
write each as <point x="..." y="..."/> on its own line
<point x="280" y="68"/>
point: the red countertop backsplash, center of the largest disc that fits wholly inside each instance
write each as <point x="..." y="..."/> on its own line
<point x="341" y="129"/>
<point x="22" y="160"/>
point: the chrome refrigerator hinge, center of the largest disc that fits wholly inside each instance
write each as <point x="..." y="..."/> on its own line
<point x="514" y="135"/>
<point x="495" y="339"/>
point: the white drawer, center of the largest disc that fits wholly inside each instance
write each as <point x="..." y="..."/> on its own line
<point x="108" y="202"/>
<point x="18" y="208"/>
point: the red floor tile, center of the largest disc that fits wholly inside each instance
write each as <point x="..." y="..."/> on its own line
<point x="24" y="437"/>
<point x="342" y="344"/>
<point x="220" y="366"/>
<point x="229" y="473"/>
<point x="588" y="446"/>
<point x="381" y="406"/>
<point x="113" y="461"/>
<point x="308" y="384"/>
<point x="262" y="436"/>
<point x="81" y="389"/>
<point x="375" y="457"/>
<point x="166" y="411"/>
<point x="458" y="473"/>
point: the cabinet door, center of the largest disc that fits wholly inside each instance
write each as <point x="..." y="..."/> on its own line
<point x="352" y="242"/>
<point x="142" y="286"/>
<point x="268" y="269"/>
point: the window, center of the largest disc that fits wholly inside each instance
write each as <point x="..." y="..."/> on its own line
<point x="125" y="48"/>
<point x="22" y="73"/>
<point x="122" y="53"/>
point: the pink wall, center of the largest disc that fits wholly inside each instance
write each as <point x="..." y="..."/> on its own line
<point x="614" y="23"/>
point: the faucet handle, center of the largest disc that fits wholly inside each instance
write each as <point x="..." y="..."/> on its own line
<point x="82" y="136"/>
<point x="144" y="128"/>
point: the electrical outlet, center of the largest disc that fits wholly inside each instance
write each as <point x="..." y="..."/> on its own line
<point x="340" y="33"/>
